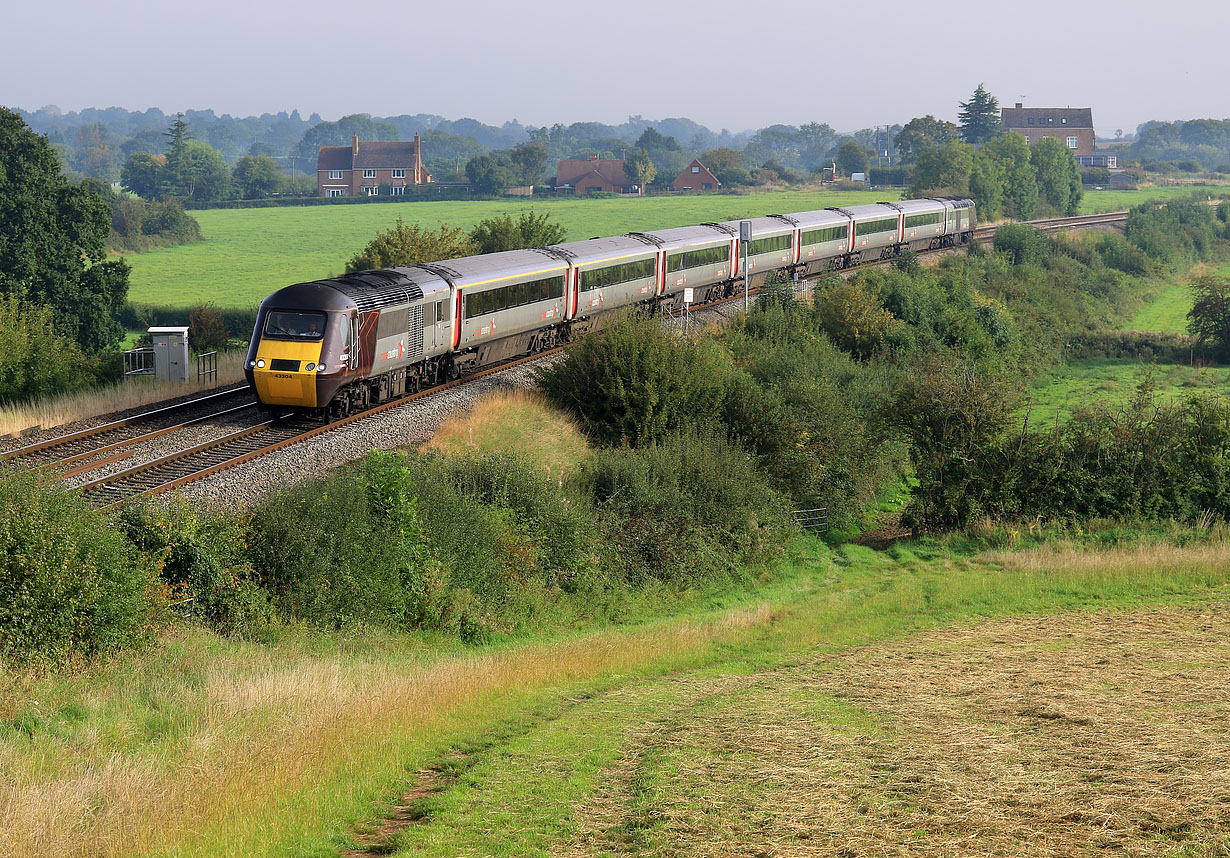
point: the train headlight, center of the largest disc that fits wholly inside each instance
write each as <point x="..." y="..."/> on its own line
<point x="320" y="367"/>
<point x="311" y="366"/>
<point x="261" y="364"/>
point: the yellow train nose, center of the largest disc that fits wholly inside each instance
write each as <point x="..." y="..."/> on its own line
<point x="284" y="379"/>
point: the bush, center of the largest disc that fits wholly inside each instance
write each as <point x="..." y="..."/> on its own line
<point x="70" y="585"/>
<point x="206" y="328"/>
<point x="1024" y="244"/>
<point x="689" y="507"/>
<point x="202" y="559"/>
<point x="344" y="549"/>
<point x="635" y="383"/>
<point x="34" y="359"/>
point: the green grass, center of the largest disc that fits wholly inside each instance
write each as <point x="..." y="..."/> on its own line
<point x="1113" y="382"/>
<point x="248" y="253"/>
<point x="1112" y="201"/>
<point x="1167" y="312"/>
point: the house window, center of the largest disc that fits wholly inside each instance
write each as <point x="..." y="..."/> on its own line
<point x="696" y="169"/>
<point x="708" y="186"/>
<point x="399" y="174"/>
<point x="1072" y="143"/>
<point x="398" y="191"/>
<point x="334" y="192"/>
<point x="1064" y="120"/>
<point x="1031" y="120"/>
<point x="335" y="174"/>
<point x="369" y="174"/>
<point x="372" y="191"/>
<point x="1027" y="138"/>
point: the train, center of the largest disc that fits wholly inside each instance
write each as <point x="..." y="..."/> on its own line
<point x="335" y="346"/>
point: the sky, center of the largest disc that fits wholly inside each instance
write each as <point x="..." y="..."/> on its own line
<point x="735" y="64"/>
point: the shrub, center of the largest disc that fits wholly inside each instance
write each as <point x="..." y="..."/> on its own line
<point x="35" y="360"/>
<point x="201" y="558"/>
<point x="70" y="585"/>
<point x="206" y="328"/>
<point x="1023" y="243"/>
<point x="636" y="383"/>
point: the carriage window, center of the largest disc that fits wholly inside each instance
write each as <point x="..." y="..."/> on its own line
<point x="771" y="244"/>
<point x="829" y="233"/>
<point x="596" y="278"/>
<point x="513" y="295"/>
<point x="698" y="258"/>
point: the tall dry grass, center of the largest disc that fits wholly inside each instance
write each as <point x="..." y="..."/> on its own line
<point x="68" y="408"/>
<point x="265" y="753"/>
<point x="520" y="421"/>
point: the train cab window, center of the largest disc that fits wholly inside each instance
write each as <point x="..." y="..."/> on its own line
<point x="295" y="325"/>
<point x="439" y="311"/>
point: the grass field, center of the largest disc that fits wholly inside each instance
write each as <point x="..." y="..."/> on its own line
<point x="1167" y="312"/>
<point x="248" y="253"/>
<point x="1113" y="382"/>
<point x="1112" y="201"/>
<point x="964" y="703"/>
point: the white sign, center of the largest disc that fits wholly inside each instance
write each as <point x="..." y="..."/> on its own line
<point x="687" y="295"/>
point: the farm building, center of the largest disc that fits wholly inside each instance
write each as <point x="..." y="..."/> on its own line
<point x="1072" y="125"/>
<point x="369" y="167"/>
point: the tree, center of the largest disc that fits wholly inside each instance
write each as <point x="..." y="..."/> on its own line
<point x="207" y="328"/>
<point x="342" y="133"/>
<point x="145" y="174"/>
<point x="494" y="234"/>
<point x="639" y="168"/>
<point x="986" y="185"/>
<point x="206" y="173"/>
<point x="179" y="177"/>
<point x="1057" y="173"/>
<point x="979" y="117"/>
<point x="491" y="174"/>
<point x="410" y="245"/>
<point x="530" y="160"/>
<point x="851" y="158"/>
<point x="815" y="142"/>
<point x="52" y="237"/>
<point x="256" y="176"/>
<point x="1209" y="317"/>
<point x="652" y="141"/>
<point x="851" y="314"/>
<point x="943" y="171"/>
<point x="924" y="132"/>
<point x="1020" y="180"/>
<point x="727" y="165"/>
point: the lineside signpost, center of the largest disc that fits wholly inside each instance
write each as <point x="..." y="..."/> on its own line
<point x="745" y="236"/>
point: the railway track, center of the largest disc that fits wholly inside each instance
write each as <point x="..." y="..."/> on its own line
<point x="95" y="446"/>
<point x="89" y="449"/>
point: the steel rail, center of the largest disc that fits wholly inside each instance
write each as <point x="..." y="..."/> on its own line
<point x="115" y="425"/>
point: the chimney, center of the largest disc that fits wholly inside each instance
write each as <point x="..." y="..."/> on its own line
<point x="1019" y="105"/>
<point x="354" y="150"/>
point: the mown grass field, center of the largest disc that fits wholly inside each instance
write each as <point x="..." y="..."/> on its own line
<point x="248" y="253"/>
<point x="863" y="697"/>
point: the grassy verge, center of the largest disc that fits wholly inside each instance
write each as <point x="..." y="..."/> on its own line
<point x="302" y="745"/>
<point x="248" y="253"/>
<point x="1093" y="202"/>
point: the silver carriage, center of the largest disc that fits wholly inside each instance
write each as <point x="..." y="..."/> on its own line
<point x="508" y="303"/>
<point x="824" y="240"/>
<point x="609" y="273"/>
<point x="697" y="257"/>
<point x="876" y="231"/>
<point x="771" y="248"/>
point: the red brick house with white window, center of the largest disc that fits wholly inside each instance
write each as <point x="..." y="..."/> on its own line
<point x="363" y="168"/>
<point x="1072" y="125"/>
<point x="696" y="177"/>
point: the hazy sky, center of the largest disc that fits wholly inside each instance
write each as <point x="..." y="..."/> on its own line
<point x="725" y="64"/>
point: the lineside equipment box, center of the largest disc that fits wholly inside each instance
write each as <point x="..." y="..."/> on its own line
<point x="170" y="353"/>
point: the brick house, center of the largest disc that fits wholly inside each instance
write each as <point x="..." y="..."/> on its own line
<point x="696" y="177"/>
<point x="362" y="168"/>
<point x="1072" y="125"/>
<point x="588" y="176"/>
